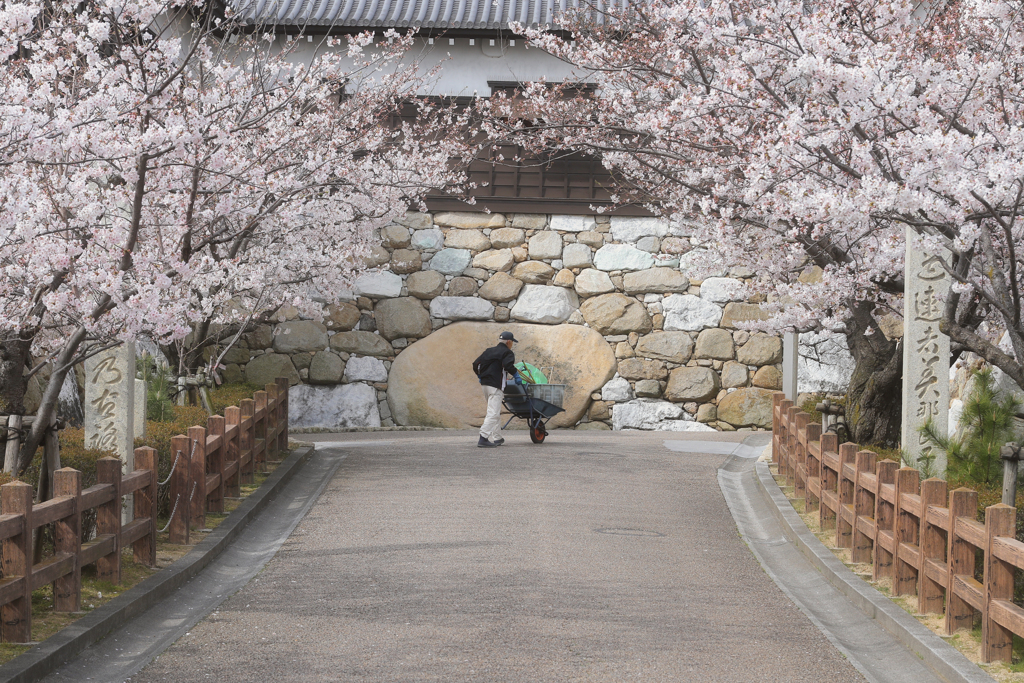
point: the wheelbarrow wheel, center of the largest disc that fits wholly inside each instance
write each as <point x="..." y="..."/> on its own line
<point x="538" y="432"/>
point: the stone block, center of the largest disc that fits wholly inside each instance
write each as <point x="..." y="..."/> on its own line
<point x="692" y="384"/>
<point x="383" y="285"/>
<point x="494" y="259"/>
<point x="341" y="317"/>
<point x="623" y="257"/>
<point x="768" y="377"/>
<point x="690" y="313"/>
<point x="545" y="305"/>
<point x="650" y="244"/>
<point x="760" y="349"/>
<point x="721" y="290"/>
<point x="573" y="223"/>
<point x="616" y="314"/>
<point x="564" y="278"/>
<point x="461" y="308"/>
<point x="716" y="344"/>
<point x="365" y="369"/>
<point x="738" y="313"/>
<point x="339" y="407"/>
<point x="577" y="256"/>
<point x="734" y="375"/>
<point x="530" y="221"/>
<point x="415" y="220"/>
<point x="461" y="286"/>
<point x="675" y="347"/>
<point x="300" y="335"/>
<point x="264" y="369"/>
<point x="533" y="272"/>
<point x="395" y="236"/>
<point x="545" y="245"/>
<point x="377" y="257"/>
<point x="655" y="281"/>
<point x="326" y="368"/>
<point x="469" y="219"/>
<point x="618" y="389"/>
<point x="473" y="240"/>
<point x="645" y="414"/>
<point x="432" y="238"/>
<point x="676" y="245"/>
<point x="501" y="287"/>
<point x="425" y="284"/>
<point x="638" y="368"/>
<point x="648" y="388"/>
<point x="402" y="317"/>
<point x="749" y="407"/>
<point x="507" y="238"/>
<point x="361" y="343"/>
<point x="629" y="229"/>
<point x="405" y="261"/>
<point x="451" y="261"/>
<point x="593" y="240"/>
<point x="591" y="282"/>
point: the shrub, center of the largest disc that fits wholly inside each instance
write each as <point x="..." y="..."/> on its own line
<point x="230" y="395"/>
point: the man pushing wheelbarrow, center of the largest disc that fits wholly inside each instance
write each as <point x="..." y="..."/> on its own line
<point x="492" y="368"/>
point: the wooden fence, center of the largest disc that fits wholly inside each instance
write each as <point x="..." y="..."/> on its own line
<point x="907" y="529"/>
<point x="209" y="464"/>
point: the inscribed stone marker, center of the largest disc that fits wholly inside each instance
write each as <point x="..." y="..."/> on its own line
<point x="790" y="353"/>
<point x="925" y="353"/>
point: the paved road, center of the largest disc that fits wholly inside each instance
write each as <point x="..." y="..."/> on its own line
<point x="595" y="557"/>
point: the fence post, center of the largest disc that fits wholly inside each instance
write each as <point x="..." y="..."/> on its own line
<point x="826" y="515"/>
<point x="844" y="530"/>
<point x="67" y="538"/>
<point x="16" y="621"/>
<point x="12" y="442"/>
<point x="144" y="549"/>
<point x="197" y="495"/>
<point x="864" y="505"/>
<point x="904" y="578"/>
<point x="282" y="416"/>
<point x="960" y="559"/>
<point x="777" y="398"/>
<point x="260" y="458"/>
<point x="108" y="520"/>
<point x="813" y="468"/>
<point x="997" y="640"/>
<point x="782" y="460"/>
<point x="178" y="525"/>
<point x="931" y="595"/>
<point x="800" y="461"/>
<point x="884" y="519"/>
<point x="247" y="440"/>
<point x="233" y="418"/>
<point x="272" y="406"/>
<point x="215" y="462"/>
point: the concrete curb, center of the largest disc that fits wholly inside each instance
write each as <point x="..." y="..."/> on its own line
<point x="63" y="646"/>
<point x="939" y="656"/>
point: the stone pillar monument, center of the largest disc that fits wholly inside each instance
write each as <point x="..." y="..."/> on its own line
<point x="110" y="404"/>
<point x="925" y="353"/>
<point x="790" y="357"/>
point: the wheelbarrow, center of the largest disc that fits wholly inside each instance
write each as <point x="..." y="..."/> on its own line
<point x="525" y="402"/>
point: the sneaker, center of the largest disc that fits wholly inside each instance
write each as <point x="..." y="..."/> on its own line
<point x="498" y="441"/>
<point x="484" y="443"/>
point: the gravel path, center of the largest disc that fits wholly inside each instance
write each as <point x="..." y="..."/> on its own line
<point x="595" y="557"/>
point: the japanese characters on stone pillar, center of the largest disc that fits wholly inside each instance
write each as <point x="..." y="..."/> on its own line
<point x="110" y="402"/>
<point x="925" y="353"/>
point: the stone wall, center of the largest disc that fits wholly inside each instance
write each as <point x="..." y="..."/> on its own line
<point x="653" y="348"/>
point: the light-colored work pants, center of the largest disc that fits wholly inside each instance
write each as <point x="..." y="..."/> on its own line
<point x="491" y="428"/>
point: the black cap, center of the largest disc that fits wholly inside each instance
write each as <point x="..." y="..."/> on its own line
<point x="506" y="336"/>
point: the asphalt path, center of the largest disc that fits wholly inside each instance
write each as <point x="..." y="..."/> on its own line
<point x="596" y="556"/>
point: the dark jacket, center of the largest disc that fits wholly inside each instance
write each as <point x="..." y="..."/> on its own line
<point x="488" y="367"/>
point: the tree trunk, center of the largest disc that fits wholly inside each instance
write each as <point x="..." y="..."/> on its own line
<point x="874" y="400"/>
<point x="14" y="354"/>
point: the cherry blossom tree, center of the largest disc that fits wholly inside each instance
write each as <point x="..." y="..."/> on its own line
<point x="166" y="174"/>
<point x="802" y="140"/>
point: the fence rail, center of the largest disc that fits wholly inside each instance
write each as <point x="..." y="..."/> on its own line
<point x="209" y="465"/>
<point x="906" y="528"/>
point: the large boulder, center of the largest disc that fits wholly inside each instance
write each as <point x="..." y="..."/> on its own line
<point x="690" y="313"/>
<point x="262" y="370"/>
<point x="432" y="382"/>
<point x="501" y="287"/>
<point x="403" y="317"/>
<point x="361" y="343"/>
<point x="461" y="308"/>
<point x="750" y="407"/>
<point x="451" y="261"/>
<point x="692" y="384"/>
<point x="675" y="347"/>
<point x="760" y="349"/>
<point x="297" y="336"/>
<point x="622" y="257"/>
<point x="655" y="281"/>
<point x="616" y="314"/>
<point x="338" y="407"/>
<point x="592" y="282"/>
<point x="546" y="305"/>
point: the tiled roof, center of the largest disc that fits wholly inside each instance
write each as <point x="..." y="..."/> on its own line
<point x="437" y="14"/>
